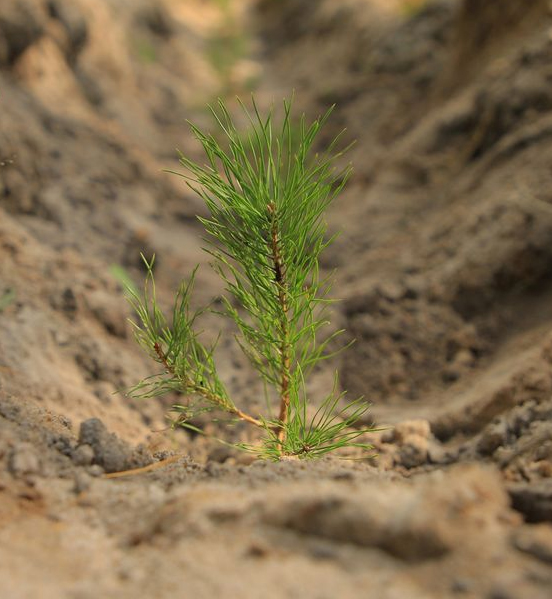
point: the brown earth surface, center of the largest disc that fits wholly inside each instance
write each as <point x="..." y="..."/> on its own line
<point x="444" y="266"/>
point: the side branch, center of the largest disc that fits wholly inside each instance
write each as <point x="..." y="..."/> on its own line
<point x="205" y="393"/>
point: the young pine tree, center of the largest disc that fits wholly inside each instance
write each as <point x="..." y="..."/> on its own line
<point x="266" y="194"/>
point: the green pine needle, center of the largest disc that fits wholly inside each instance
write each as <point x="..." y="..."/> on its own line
<point x="266" y="193"/>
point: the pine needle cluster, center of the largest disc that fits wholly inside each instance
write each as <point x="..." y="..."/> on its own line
<point x="266" y="194"/>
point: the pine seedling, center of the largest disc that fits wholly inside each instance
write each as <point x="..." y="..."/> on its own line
<point x="266" y="194"/>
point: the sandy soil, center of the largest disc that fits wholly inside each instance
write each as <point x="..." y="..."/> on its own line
<point x="444" y="266"/>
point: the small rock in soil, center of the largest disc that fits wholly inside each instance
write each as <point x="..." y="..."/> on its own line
<point x="110" y="452"/>
<point x="83" y="455"/>
<point x="414" y="452"/>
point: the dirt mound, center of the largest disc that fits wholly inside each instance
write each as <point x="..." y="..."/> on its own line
<point x="444" y="267"/>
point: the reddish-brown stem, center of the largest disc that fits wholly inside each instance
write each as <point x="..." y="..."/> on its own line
<point x="280" y="280"/>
